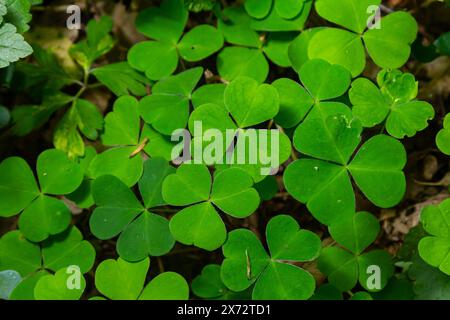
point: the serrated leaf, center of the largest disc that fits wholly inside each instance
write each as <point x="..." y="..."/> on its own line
<point x="233" y="62"/>
<point x="12" y="45"/>
<point x="121" y="79"/>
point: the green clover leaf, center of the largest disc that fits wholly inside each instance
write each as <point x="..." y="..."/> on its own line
<point x="246" y="261"/>
<point x="159" y="59"/>
<point x="123" y="132"/>
<point x="323" y="182"/>
<point x="298" y="48"/>
<point x="443" y="137"/>
<point x="209" y="285"/>
<point x="191" y="186"/>
<point x="17" y="13"/>
<point x="42" y="215"/>
<point x="327" y="292"/>
<point x="435" y="249"/>
<point x="213" y="116"/>
<point x="251" y="103"/>
<point x="393" y="102"/>
<point x="12" y="45"/>
<point x="322" y="81"/>
<point x="345" y="266"/>
<point x="25" y="289"/>
<point x="84" y="118"/>
<point x="122" y="280"/>
<point x="388" y="45"/>
<point x="248" y="57"/>
<point x="170" y="96"/>
<point x="57" y="252"/>
<point x="54" y="287"/>
<point x="209" y="93"/>
<point x="118" y="211"/>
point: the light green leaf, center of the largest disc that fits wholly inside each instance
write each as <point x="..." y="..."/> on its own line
<point x="121" y="280"/>
<point x="18" y="14"/>
<point x="9" y="279"/>
<point x="121" y="79"/>
<point x="251" y="103"/>
<point x="340" y="47"/>
<point x="165" y="23"/>
<point x="351" y="14"/>
<point x="287" y="242"/>
<point x="323" y="80"/>
<point x="245" y="259"/>
<point x="200" y="42"/>
<point x="236" y="28"/>
<point x="258" y="8"/>
<point x="156" y="59"/>
<point x="68" y="249"/>
<point x="45" y="216"/>
<point x="233" y="62"/>
<point x="57" y="174"/>
<point x="276" y="47"/>
<point x="190" y="184"/>
<point x="298" y="48"/>
<point x="232" y="192"/>
<point x="443" y="137"/>
<point x="275" y="22"/>
<point x="55" y="287"/>
<point x="148" y="235"/>
<point x="166" y="286"/>
<point x="390" y="46"/>
<point x="209" y="93"/>
<point x="119" y="163"/>
<point x="170" y="96"/>
<point x="377" y="170"/>
<point x="150" y="184"/>
<point x="324" y="187"/>
<point x="18" y="187"/>
<point x="295" y="102"/>
<point x="19" y="254"/>
<point x="393" y="102"/>
<point x="356" y="233"/>
<point x="12" y="45"/>
<point x="435" y="249"/>
<point x="25" y="289"/>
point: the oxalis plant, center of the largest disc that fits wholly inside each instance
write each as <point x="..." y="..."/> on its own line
<point x="246" y="150"/>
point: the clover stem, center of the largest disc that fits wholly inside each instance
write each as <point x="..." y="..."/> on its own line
<point x="160" y="265"/>
<point x="294" y="155"/>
